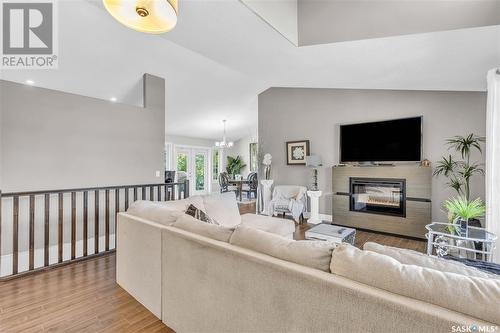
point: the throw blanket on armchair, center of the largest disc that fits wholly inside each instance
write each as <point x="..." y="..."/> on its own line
<point x="289" y="198"/>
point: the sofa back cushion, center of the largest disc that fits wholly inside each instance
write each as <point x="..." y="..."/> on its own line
<point x="213" y="231"/>
<point x="154" y="211"/>
<point x="222" y="207"/>
<point x="314" y="254"/>
<point x="183" y="204"/>
<point x="477" y="297"/>
<point x="274" y="225"/>
<point x="409" y="257"/>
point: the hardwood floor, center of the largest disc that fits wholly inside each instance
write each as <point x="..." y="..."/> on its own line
<point x="363" y="236"/>
<point x="246" y="207"/>
<point x="81" y="297"/>
<point x="84" y="296"/>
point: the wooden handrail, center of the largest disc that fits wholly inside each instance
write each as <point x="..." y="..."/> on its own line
<point x="81" y="189"/>
<point x="76" y="217"/>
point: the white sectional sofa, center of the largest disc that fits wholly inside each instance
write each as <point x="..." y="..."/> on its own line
<point x="206" y="278"/>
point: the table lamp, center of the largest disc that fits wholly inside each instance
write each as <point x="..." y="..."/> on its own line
<point x="314" y="161"/>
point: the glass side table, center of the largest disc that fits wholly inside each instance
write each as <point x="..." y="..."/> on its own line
<point x="446" y="238"/>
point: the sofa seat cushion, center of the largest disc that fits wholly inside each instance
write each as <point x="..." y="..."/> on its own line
<point x="154" y="211"/>
<point x="314" y="254"/>
<point x="474" y="296"/>
<point x="274" y="225"/>
<point x="409" y="257"/>
<point x="213" y="231"/>
<point x="222" y="207"/>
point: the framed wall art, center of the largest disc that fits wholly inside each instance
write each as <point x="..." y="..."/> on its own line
<point x="296" y="152"/>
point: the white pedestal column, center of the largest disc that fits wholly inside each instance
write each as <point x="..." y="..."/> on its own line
<point x="314" y="195"/>
<point x="266" y="195"/>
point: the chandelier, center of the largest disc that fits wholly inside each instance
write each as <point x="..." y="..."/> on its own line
<point x="150" y="16"/>
<point x="224" y="143"/>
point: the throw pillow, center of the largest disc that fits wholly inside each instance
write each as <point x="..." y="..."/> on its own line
<point x="213" y="231"/>
<point x="154" y="211"/>
<point x="200" y="215"/>
<point x="222" y="207"/>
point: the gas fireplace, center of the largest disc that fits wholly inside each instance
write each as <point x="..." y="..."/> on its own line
<point x="378" y="196"/>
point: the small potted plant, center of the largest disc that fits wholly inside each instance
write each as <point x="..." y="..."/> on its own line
<point x="461" y="211"/>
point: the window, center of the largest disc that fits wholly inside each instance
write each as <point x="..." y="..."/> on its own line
<point x="182" y="162"/>
<point x="253" y="157"/>
<point x="215" y="164"/>
<point x="199" y="164"/>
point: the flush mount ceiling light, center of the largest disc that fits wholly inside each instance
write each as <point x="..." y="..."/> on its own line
<point x="149" y="16"/>
<point x="224" y="143"/>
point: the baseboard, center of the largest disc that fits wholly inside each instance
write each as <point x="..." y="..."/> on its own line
<point x="323" y="217"/>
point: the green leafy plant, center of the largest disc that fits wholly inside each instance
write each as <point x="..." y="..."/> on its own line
<point x="462" y="208"/>
<point x="234" y="165"/>
<point x="200" y="172"/>
<point x="460" y="171"/>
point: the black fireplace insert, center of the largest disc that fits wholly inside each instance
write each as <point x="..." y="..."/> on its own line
<point x="384" y="196"/>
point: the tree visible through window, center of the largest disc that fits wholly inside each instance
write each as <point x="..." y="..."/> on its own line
<point x="200" y="172"/>
<point x="215" y="164"/>
<point x="182" y="162"/>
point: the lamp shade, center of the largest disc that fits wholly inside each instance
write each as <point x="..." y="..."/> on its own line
<point x="150" y="16"/>
<point x="313" y="161"/>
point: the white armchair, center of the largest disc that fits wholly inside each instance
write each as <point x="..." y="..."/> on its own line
<point x="289" y="199"/>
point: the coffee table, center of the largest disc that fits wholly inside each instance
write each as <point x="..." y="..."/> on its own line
<point x="446" y="237"/>
<point x="332" y="233"/>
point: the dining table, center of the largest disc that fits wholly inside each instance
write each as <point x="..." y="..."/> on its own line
<point x="239" y="183"/>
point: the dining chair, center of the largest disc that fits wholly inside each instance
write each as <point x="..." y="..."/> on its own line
<point x="252" y="185"/>
<point x="224" y="184"/>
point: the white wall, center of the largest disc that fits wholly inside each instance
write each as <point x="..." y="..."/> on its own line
<point x="189" y="141"/>
<point x="287" y="114"/>
<point x="281" y="15"/>
<point x="177" y="140"/>
<point x="242" y="148"/>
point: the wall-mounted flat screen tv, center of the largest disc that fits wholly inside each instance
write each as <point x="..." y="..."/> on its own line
<point x="398" y="140"/>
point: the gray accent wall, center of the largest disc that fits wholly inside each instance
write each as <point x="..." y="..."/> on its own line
<point x="329" y="21"/>
<point x="55" y="140"/>
<point x="289" y="114"/>
<point x="52" y="139"/>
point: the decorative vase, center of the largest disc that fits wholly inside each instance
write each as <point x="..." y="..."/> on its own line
<point x="464" y="226"/>
<point x="314" y="180"/>
<point x="267" y="172"/>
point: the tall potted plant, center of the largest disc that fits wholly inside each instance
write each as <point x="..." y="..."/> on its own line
<point x="459" y="171"/>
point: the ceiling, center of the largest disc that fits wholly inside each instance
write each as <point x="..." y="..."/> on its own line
<point x="221" y="56"/>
